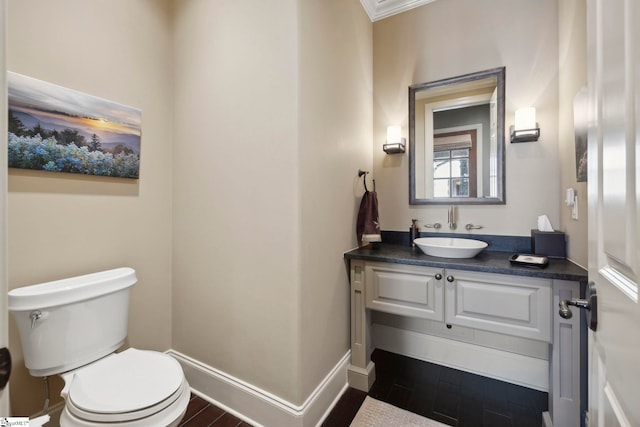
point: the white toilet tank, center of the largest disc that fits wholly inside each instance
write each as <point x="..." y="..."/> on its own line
<point x="69" y="323"/>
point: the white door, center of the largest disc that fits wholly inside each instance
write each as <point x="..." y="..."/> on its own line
<point x="613" y="33"/>
<point x="4" y="315"/>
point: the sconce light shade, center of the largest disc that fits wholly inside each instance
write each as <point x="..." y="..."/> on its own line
<point x="395" y="142"/>
<point x="526" y="129"/>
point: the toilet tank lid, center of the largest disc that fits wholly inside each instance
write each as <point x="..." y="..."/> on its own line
<point x="73" y="289"/>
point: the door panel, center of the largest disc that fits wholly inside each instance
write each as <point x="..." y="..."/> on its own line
<point x="614" y="260"/>
<point x="618" y="153"/>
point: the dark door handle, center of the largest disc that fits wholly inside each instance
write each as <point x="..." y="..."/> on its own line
<point x="5" y="367"/>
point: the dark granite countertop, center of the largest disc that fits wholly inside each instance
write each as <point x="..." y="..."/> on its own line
<point x="486" y="261"/>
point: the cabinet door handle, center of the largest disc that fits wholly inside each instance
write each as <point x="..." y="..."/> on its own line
<point x="438" y="276"/>
<point x="450" y="279"/>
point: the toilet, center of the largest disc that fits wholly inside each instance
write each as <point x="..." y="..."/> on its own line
<point x="72" y="328"/>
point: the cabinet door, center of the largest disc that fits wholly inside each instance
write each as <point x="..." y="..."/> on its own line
<point x="500" y="303"/>
<point x="406" y="290"/>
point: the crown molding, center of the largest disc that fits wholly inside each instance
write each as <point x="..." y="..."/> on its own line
<point x="379" y="9"/>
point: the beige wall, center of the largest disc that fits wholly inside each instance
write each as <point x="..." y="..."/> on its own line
<point x="272" y="119"/>
<point x="573" y="76"/>
<point x="260" y="111"/>
<point x="236" y="279"/>
<point x="62" y="225"/>
<point x="449" y="38"/>
<point x="336" y="122"/>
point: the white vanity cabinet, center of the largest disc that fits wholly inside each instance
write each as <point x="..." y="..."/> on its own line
<point x="516" y="307"/>
<point x="512" y="305"/>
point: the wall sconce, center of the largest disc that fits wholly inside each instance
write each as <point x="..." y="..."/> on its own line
<point x="395" y="141"/>
<point x="526" y="129"/>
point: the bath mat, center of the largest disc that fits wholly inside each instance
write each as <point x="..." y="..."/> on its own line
<point x="374" y="413"/>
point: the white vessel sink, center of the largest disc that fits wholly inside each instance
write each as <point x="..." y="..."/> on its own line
<point x="450" y="247"/>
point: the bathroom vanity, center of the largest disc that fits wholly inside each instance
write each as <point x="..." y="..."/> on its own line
<point x="482" y="315"/>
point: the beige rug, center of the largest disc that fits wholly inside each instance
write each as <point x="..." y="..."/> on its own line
<point x="374" y="413"/>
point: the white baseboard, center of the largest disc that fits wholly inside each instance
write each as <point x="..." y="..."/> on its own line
<point x="259" y="407"/>
<point x="509" y="367"/>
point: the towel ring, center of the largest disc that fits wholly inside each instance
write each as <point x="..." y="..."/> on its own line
<point x="361" y="173"/>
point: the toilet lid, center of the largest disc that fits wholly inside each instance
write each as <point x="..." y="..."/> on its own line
<point x="125" y="382"/>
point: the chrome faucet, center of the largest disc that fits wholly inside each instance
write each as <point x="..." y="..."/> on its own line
<point x="451" y="218"/>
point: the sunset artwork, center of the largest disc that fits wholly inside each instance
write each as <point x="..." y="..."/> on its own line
<point x="55" y="129"/>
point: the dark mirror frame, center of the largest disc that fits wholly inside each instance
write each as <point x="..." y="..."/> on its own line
<point x="499" y="74"/>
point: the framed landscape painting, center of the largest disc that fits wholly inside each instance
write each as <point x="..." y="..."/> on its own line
<point x="55" y="129"/>
<point x="580" y="126"/>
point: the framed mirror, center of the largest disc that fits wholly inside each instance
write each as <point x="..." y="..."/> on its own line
<point x="456" y="140"/>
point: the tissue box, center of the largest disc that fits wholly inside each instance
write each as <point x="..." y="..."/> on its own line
<point x="548" y="243"/>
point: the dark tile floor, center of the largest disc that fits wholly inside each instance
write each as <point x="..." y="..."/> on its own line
<point x="447" y="395"/>
<point x="201" y="413"/>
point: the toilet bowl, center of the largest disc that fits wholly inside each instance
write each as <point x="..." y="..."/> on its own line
<point x="132" y="388"/>
<point x="71" y="327"/>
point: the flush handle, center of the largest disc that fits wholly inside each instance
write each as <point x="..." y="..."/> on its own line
<point x="35" y="316"/>
<point x="5" y="367"/>
<point x="590" y="304"/>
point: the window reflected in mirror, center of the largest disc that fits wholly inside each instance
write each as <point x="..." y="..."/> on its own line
<point x="451" y="177"/>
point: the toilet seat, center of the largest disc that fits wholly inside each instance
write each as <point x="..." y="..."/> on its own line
<point x="128" y="386"/>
